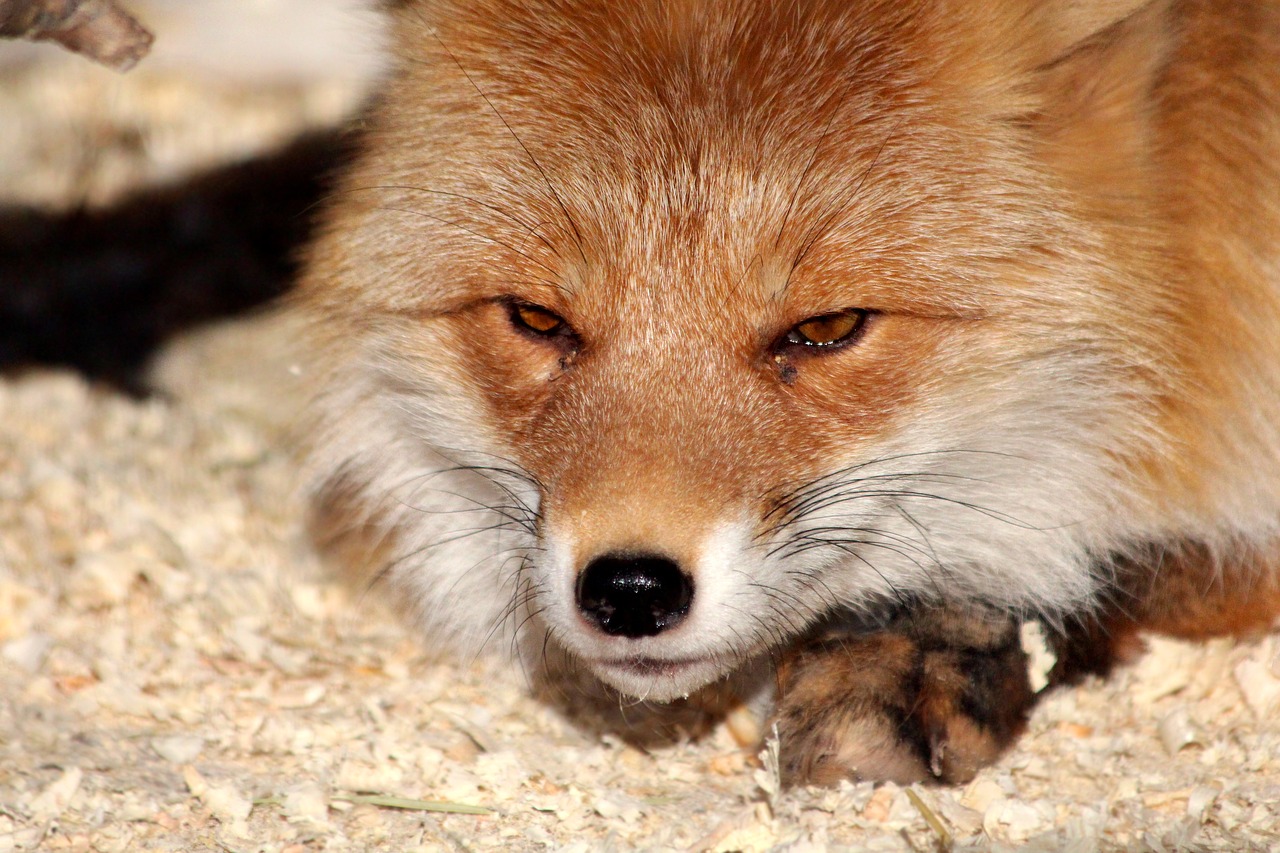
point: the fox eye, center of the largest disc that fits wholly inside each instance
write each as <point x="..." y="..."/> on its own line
<point x="537" y="320"/>
<point x="827" y="330"/>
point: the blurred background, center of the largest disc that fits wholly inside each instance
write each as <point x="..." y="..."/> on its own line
<point x="136" y="205"/>
<point x="225" y="79"/>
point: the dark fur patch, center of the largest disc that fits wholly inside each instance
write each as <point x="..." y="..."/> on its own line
<point x="936" y="694"/>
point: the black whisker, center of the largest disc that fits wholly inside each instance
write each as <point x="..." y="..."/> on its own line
<point x="532" y="159"/>
<point x="827" y="223"/>
<point x="531" y="230"/>
<point x="479" y="235"/>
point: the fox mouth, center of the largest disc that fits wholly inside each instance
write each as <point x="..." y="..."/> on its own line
<point x="651" y="667"/>
<point x="659" y="679"/>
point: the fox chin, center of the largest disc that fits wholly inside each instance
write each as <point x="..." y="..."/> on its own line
<point x="831" y="340"/>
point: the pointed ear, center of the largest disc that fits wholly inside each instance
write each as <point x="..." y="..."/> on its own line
<point x="1105" y="55"/>
<point x="1068" y="24"/>
<point x="1098" y="99"/>
<point x="1031" y="37"/>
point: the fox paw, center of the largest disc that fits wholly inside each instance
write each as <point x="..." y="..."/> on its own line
<point x="935" y="695"/>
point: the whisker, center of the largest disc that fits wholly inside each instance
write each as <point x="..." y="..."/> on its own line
<point x="479" y="235"/>
<point x="531" y="230"/>
<point x="555" y="195"/>
<point x="828" y="222"/>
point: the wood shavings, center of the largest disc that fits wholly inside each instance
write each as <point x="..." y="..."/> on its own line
<point x="412" y="804"/>
<point x="28" y="652"/>
<point x="1199" y="801"/>
<point x="299" y="695"/>
<point x="1014" y="820"/>
<point x="944" y="837"/>
<point x="1258" y="679"/>
<point x="769" y="776"/>
<point x="1176" y="730"/>
<point x="307" y="803"/>
<point x="20" y="608"/>
<point x="1040" y="658"/>
<point x="178" y="749"/>
<point x="982" y="794"/>
<point x="744" y="726"/>
<point x="101" y="580"/>
<point x="57" y="797"/>
<point x="223" y="800"/>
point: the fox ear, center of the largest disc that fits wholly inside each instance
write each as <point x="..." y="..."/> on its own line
<point x="1044" y="38"/>
<point x="1101" y="54"/>
<point x="1069" y="24"/>
<point x="1097" y="93"/>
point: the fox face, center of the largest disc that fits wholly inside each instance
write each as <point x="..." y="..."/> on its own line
<point x="740" y="316"/>
<point x="658" y="334"/>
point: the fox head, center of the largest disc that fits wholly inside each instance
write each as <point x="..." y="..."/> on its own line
<point x="658" y="332"/>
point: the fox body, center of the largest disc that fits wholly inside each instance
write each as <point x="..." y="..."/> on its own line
<point x="676" y="341"/>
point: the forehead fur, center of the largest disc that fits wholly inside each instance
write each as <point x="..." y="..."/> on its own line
<point x="577" y="141"/>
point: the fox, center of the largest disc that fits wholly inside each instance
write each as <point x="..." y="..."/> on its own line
<point x="810" y="350"/>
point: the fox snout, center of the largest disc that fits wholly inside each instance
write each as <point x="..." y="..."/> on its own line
<point x="653" y="488"/>
<point x="633" y="595"/>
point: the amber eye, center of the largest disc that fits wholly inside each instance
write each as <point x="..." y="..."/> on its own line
<point x="828" y="330"/>
<point x="536" y="319"/>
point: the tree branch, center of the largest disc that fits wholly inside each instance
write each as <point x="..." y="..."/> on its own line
<point x="98" y="29"/>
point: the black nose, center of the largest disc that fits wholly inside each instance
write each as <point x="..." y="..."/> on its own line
<point x="634" y="596"/>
